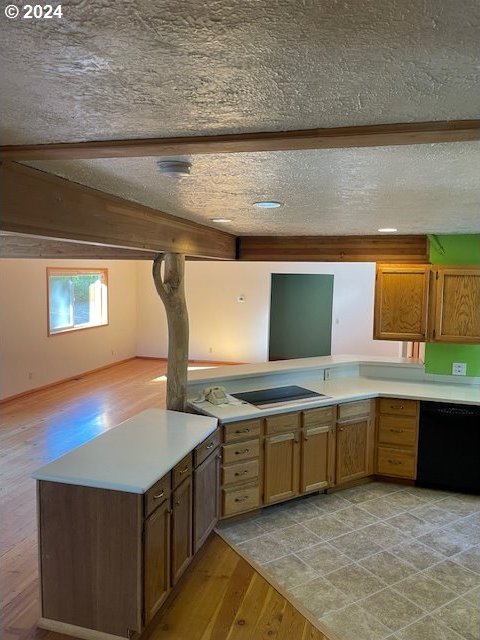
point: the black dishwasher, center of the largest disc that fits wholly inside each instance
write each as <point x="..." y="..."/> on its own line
<point x="449" y="447"/>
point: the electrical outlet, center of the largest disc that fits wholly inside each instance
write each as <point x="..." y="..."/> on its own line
<point x="459" y="368"/>
<point x="327" y="374"/>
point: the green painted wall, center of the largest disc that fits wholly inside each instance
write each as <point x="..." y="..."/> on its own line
<point x="464" y="250"/>
<point x="300" y="315"/>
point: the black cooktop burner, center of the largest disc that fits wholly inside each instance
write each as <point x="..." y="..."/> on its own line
<point x="277" y="395"/>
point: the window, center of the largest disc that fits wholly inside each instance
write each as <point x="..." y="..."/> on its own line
<point x="77" y="299"/>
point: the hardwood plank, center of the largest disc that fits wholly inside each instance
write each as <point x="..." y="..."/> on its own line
<point x="391" y="249"/>
<point x="334" y="138"/>
<point x="36" y="203"/>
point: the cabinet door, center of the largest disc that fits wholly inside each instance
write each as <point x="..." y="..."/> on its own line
<point x="457" y="304"/>
<point x="281" y="467"/>
<point x="315" y="471"/>
<point x="181" y="529"/>
<point x="157" y="559"/>
<point x="205" y="499"/>
<point x="401" y="303"/>
<point x="355" y="450"/>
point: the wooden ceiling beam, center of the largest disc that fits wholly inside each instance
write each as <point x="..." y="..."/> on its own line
<point x="16" y="246"/>
<point x="379" y="135"/>
<point x="392" y="249"/>
<point x="39" y="204"/>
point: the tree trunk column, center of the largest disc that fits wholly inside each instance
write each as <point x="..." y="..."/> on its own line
<point x="171" y="289"/>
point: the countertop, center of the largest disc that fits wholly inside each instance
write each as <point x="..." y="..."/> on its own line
<point x="134" y="455"/>
<point x="346" y="389"/>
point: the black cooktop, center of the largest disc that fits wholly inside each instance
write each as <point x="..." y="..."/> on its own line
<point x="277" y="395"/>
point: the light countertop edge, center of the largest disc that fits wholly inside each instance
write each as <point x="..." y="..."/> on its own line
<point x="134" y="455"/>
<point x="348" y="389"/>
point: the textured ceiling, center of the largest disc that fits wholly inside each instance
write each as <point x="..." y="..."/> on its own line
<point x="144" y="68"/>
<point x="418" y="189"/>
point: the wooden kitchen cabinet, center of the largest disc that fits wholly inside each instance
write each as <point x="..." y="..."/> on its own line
<point x="182" y="548"/>
<point x="401" y="302"/>
<point x="397" y="438"/>
<point x="355" y="444"/>
<point x="157" y="559"/>
<point x="427" y="303"/>
<point x="206" y="480"/>
<point x="456" y="305"/>
<point x="317" y="464"/>
<point x="242" y="467"/>
<point x="282" y="463"/>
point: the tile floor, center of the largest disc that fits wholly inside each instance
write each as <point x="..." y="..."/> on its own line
<point x="375" y="562"/>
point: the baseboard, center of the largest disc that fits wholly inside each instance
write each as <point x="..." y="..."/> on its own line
<point x="75" y="631"/>
<point x="69" y="379"/>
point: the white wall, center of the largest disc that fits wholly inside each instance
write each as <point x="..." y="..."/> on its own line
<point x="28" y="357"/>
<point x="225" y="330"/>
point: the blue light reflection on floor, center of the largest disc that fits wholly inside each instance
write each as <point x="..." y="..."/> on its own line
<point x="69" y="430"/>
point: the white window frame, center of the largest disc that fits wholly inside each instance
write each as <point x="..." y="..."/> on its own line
<point x="102" y="304"/>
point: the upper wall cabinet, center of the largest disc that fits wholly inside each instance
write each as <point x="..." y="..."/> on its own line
<point x="401" y="302"/>
<point x="427" y="303"/>
<point x="456" y="315"/>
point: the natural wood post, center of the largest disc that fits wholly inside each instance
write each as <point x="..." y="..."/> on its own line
<point x="171" y="290"/>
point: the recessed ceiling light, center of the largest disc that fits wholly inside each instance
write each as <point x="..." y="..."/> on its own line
<point x="267" y="204"/>
<point x="174" y="168"/>
<point x="387" y="230"/>
<point x="221" y="220"/>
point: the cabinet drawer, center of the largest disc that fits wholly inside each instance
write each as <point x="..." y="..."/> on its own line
<point x="241" y="451"/>
<point x="237" y="500"/>
<point x="353" y="410"/>
<point x="397" y="430"/>
<point x="314" y="417"/>
<point x="282" y="422"/>
<point x="240" y="472"/>
<point x="400" y="407"/>
<point x="205" y="448"/>
<point x="157" y="494"/>
<point x="182" y="470"/>
<point x="396" y="462"/>
<point x="242" y="430"/>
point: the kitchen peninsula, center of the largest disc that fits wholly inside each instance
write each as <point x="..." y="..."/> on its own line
<point x="120" y="518"/>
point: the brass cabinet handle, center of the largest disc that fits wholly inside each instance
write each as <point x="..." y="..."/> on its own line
<point x="397" y="430"/>
<point x="209" y="446"/>
<point x="187" y="468"/>
<point x="341" y="429"/>
<point x="239" y="453"/>
<point x="241" y="499"/>
<point x="241" y="473"/>
<point x="397" y="406"/>
<point x="394" y="462"/>
<point x="159" y="495"/>
<point x="247" y="430"/>
<point x="177" y="503"/>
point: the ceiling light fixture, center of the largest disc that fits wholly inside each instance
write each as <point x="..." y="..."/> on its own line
<point x="387" y="230"/>
<point x="267" y="204"/>
<point x="174" y="168"/>
<point x="221" y="220"/>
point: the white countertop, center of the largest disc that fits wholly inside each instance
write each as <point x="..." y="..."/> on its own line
<point x="134" y="455"/>
<point x="297" y="365"/>
<point x="346" y="390"/>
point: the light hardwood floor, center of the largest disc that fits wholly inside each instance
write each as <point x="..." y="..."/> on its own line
<point x="224" y="597"/>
